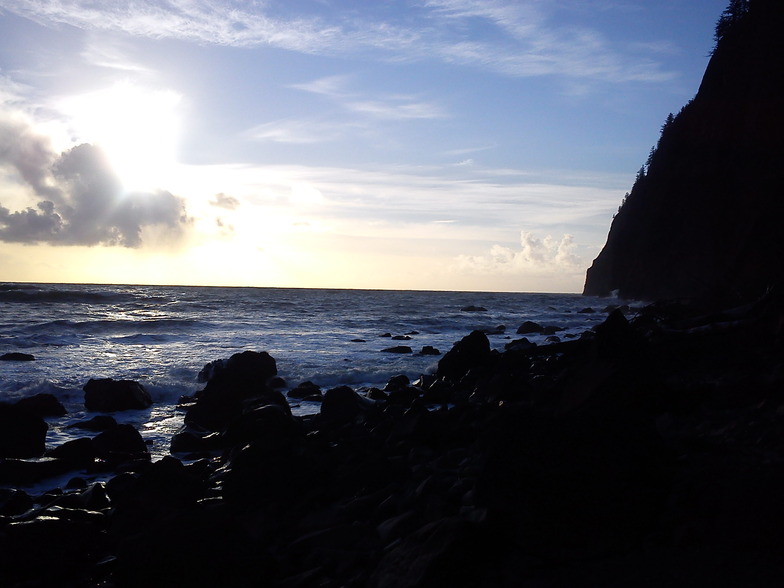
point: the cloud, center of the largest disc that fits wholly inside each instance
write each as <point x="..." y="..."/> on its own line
<point x="534" y="255"/>
<point x="392" y="107"/>
<point x="222" y="200"/>
<point x="525" y="41"/>
<point x="81" y="200"/>
<point x="298" y="132"/>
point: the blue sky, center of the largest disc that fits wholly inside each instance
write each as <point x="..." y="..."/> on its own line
<point x="424" y="144"/>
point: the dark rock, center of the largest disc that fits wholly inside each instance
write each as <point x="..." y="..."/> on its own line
<point x="304" y="390"/>
<point x="269" y="424"/>
<point x="77" y="453"/>
<point x="552" y="330"/>
<point x="108" y="395"/>
<point x="397" y="382"/>
<point x="469" y="353"/>
<point x="529" y="327"/>
<point x="341" y="404"/>
<point x="472" y="308"/>
<point x="16" y="356"/>
<point x="358" y="341"/>
<point x="519" y="345"/>
<point x="22" y="434"/>
<point x="401" y="338"/>
<point x="98" y="423"/>
<point x="386" y="335"/>
<point x="398" y="349"/>
<point x="30" y="471"/>
<point x="241" y="379"/>
<point x="43" y="405"/>
<point x="497" y="330"/>
<point x="14" y="502"/>
<point x="119" y="444"/>
<point x="429" y="350"/>
<point x="587" y="310"/>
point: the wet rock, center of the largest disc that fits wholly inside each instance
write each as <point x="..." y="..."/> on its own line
<point x="119" y="444"/>
<point x="22" y="433"/>
<point x="16" y="356"/>
<point x="232" y="384"/>
<point x="43" y="405"/>
<point x="471" y="352"/>
<point x="529" y="327"/>
<point x="98" y="423"/>
<point x="401" y="338"/>
<point x="77" y="453"/>
<point x="429" y="350"/>
<point x="342" y="404"/>
<point x="109" y="395"/>
<point x="398" y="349"/>
<point x="304" y="390"/>
<point x="472" y="308"/>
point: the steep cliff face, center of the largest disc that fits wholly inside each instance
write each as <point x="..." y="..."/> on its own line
<point x="706" y="219"/>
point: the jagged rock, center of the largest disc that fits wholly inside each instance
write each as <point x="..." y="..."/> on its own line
<point x="109" y="395"/>
<point x="471" y="352"/>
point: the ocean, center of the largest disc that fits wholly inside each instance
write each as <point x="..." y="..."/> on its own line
<point x="162" y="336"/>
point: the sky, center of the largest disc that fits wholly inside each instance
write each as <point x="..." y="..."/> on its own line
<point x="394" y="144"/>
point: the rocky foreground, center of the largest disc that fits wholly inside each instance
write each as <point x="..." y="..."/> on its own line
<point x="649" y="452"/>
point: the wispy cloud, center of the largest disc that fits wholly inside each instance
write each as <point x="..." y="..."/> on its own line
<point x="392" y="106"/>
<point x="526" y="42"/>
<point x="298" y="131"/>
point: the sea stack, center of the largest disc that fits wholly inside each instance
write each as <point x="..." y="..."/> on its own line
<point x="703" y="219"/>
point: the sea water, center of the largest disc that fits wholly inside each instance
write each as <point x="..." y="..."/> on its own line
<point x="162" y="336"/>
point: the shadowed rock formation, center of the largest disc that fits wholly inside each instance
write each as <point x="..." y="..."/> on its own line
<point x="703" y="218"/>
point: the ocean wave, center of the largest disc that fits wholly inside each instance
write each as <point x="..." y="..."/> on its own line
<point x="108" y="326"/>
<point x="34" y="294"/>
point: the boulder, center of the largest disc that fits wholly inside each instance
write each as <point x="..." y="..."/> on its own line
<point x="98" y="423"/>
<point x="43" y="405"/>
<point x="472" y="308"/>
<point x="398" y="349"/>
<point x="109" y="395"/>
<point x="529" y="327"/>
<point x="429" y="350"/>
<point x="22" y="433"/>
<point x="304" y="390"/>
<point x="341" y="404"/>
<point x="120" y="444"/>
<point x="472" y="351"/>
<point x="15" y="356"/>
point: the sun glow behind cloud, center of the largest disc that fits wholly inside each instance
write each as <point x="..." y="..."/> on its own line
<point x="136" y="127"/>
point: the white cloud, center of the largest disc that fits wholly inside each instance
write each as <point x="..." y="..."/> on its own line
<point x="535" y="255"/>
<point x="527" y="43"/>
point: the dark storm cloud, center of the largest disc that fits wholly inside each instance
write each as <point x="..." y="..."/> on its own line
<point x="83" y="202"/>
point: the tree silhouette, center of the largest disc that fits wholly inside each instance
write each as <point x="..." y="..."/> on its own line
<point x="731" y="16"/>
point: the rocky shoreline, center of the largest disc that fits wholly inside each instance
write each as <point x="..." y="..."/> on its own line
<point x="648" y="452"/>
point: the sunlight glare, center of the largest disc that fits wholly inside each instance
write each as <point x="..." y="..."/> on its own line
<point x="136" y="127"/>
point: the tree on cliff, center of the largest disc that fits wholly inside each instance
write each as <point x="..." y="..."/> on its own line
<point x="731" y="16"/>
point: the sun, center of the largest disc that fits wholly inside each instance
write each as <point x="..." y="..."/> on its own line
<point x="137" y="127"/>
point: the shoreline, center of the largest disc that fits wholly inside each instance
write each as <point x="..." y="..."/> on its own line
<point x="646" y="452"/>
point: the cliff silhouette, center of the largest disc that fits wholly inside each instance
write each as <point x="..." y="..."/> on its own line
<point x="704" y="217"/>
